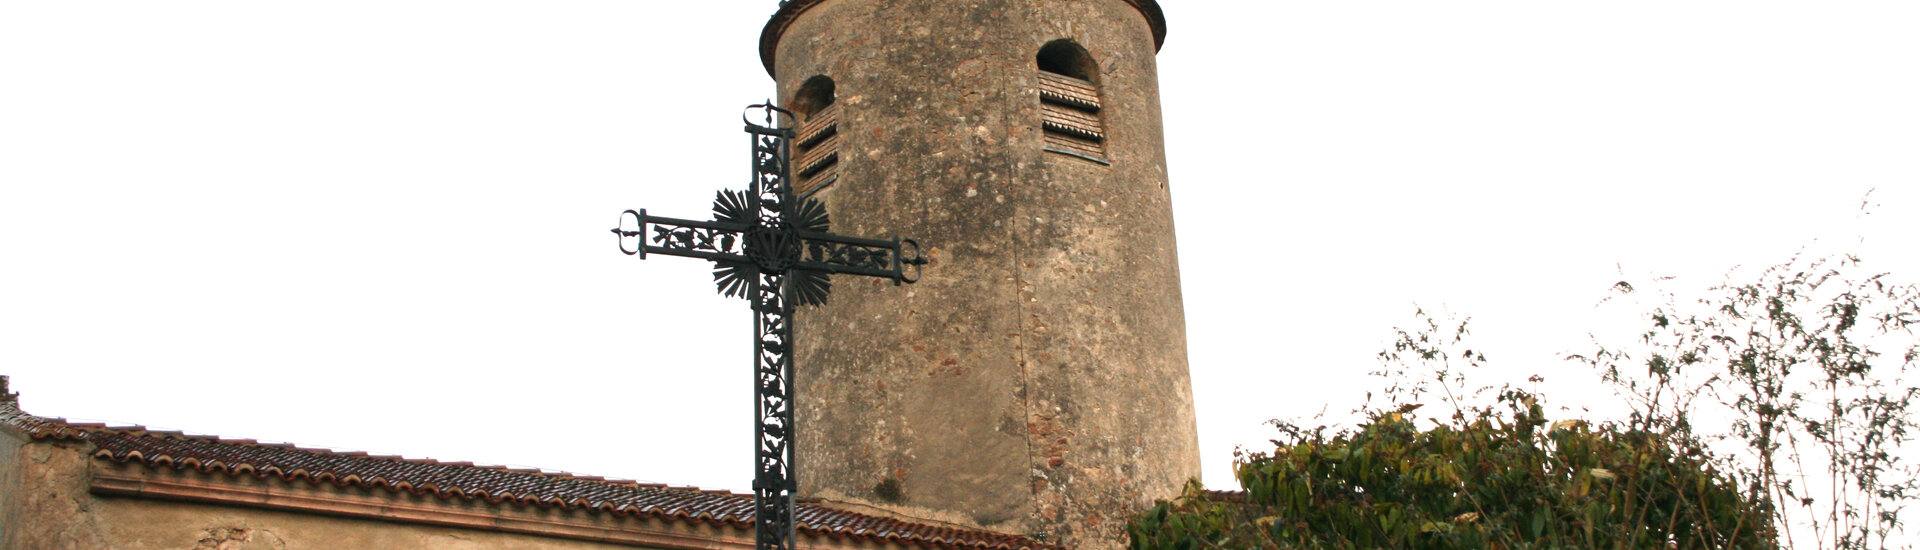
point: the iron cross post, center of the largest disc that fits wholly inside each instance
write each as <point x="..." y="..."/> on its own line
<point x="773" y="249"/>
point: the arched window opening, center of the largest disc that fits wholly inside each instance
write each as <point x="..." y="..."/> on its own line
<point x="817" y="146"/>
<point x="1070" y="101"/>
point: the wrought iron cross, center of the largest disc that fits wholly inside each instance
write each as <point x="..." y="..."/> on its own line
<point x="773" y="249"/>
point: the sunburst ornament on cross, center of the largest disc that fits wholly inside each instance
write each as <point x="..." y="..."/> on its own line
<point x="772" y="248"/>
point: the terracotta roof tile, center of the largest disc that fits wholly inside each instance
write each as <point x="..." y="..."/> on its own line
<point x="495" y="484"/>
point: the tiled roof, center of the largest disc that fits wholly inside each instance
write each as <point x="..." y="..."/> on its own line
<point x="494" y="484"/>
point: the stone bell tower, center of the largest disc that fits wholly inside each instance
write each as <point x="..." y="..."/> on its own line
<point x="1035" y="380"/>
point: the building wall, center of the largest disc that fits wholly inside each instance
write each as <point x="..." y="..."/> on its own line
<point x="49" y="504"/>
<point x="132" y="523"/>
<point x="10" y="467"/>
<point x="1035" y="380"/>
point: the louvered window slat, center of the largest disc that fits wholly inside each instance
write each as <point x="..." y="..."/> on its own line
<point x="822" y="153"/>
<point x="817" y="145"/>
<point x="1070" y="144"/>
<point x="819" y="126"/>
<point x="1070" y="116"/>
<point x="1059" y="88"/>
<point x="827" y="174"/>
<point x="1078" y="123"/>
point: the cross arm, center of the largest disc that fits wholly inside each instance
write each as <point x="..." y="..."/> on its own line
<point x="887" y="259"/>
<point x="715" y="240"/>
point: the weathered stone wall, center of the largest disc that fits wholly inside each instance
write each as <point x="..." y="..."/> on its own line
<point x="55" y="495"/>
<point x="49" y="505"/>
<point x="10" y="468"/>
<point x="142" y="523"/>
<point x="1035" y="380"/>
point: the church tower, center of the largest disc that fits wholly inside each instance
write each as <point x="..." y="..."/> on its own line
<point x="1035" y="380"/>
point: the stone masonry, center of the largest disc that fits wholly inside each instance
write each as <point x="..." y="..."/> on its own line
<point x="1035" y="381"/>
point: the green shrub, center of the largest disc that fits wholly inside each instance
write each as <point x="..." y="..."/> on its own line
<point x="1766" y="414"/>
<point x="1484" y="481"/>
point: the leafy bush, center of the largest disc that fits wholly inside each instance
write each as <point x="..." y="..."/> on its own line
<point x="1484" y="481"/>
<point x="1764" y="413"/>
<point x="1800" y="376"/>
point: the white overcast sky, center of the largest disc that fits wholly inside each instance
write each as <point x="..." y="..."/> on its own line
<point x="381" y="225"/>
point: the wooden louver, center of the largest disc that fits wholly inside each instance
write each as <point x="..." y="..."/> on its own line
<point x="1070" y="111"/>
<point x="818" y="150"/>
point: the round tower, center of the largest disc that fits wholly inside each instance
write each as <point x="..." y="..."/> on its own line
<point x="1035" y="380"/>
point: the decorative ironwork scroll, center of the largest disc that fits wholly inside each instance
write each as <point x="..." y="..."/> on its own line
<point x="773" y="249"/>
